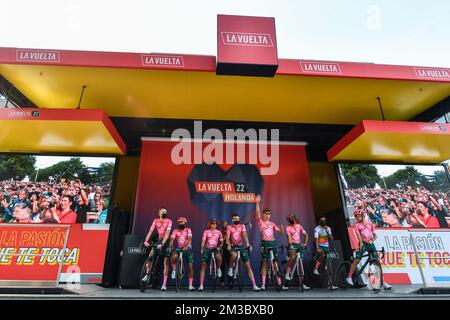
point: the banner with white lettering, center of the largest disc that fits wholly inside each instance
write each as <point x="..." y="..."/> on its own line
<point x="401" y="265"/>
<point x="33" y="252"/>
<point x="201" y="181"/>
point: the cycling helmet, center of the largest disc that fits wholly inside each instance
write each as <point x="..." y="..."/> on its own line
<point x="212" y="221"/>
<point x="182" y="220"/>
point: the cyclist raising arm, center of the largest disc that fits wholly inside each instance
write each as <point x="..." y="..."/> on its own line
<point x="163" y="225"/>
<point x="183" y="237"/>
<point x="235" y="233"/>
<point x="212" y="241"/>
<point x="293" y="232"/>
<point x="268" y="241"/>
<point x="365" y="233"/>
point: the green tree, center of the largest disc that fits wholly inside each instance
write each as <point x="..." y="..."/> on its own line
<point x="99" y="176"/>
<point x="16" y="166"/>
<point x="409" y="176"/>
<point x="106" y="172"/>
<point x="441" y="181"/>
<point x="438" y="181"/>
<point x="360" y="175"/>
<point x="69" y="170"/>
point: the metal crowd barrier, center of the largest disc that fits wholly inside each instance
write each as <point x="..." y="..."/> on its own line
<point x="425" y="284"/>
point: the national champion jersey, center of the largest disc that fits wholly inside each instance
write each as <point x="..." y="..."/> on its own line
<point x="267" y="230"/>
<point x="323" y="234"/>
<point x="295" y="231"/>
<point x="182" y="237"/>
<point x="365" y="229"/>
<point x="235" y="233"/>
<point x="212" y="238"/>
<point x="162" y="226"/>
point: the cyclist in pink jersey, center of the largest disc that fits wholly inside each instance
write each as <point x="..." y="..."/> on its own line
<point x="365" y="233"/>
<point x="293" y="232"/>
<point x="235" y="234"/>
<point x="162" y="225"/>
<point x="183" y="237"/>
<point x="268" y="241"/>
<point x="212" y="242"/>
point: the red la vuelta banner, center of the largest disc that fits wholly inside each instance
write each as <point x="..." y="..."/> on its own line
<point x="33" y="251"/>
<point x="84" y="255"/>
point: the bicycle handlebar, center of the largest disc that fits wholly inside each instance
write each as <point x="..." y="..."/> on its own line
<point x="142" y="246"/>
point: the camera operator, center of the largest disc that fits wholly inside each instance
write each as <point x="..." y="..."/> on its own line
<point x="46" y="208"/>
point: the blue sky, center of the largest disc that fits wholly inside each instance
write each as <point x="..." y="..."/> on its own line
<point x="392" y="32"/>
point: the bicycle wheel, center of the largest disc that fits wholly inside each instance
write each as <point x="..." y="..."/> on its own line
<point x="230" y="282"/>
<point x="231" y="279"/>
<point x="329" y="274"/>
<point x="239" y="279"/>
<point x="146" y="266"/>
<point x="301" y="275"/>
<point x="375" y="275"/>
<point x="179" y="275"/>
<point x="341" y="274"/>
<point x="276" y="276"/>
<point x="155" y="271"/>
<point x="213" y="274"/>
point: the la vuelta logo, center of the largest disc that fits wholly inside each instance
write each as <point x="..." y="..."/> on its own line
<point x="432" y="73"/>
<point x="162" y="60"/>
<point x="37" y="55"/>
<point x="247" y="39"/>
<point x="320" y="67"/>
<point x="432" y="127"/>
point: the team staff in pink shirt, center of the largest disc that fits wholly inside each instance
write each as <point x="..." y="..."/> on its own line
<point x="163" y="225"/>
<point x="212" y="242"/>
<point x="267" y="229"/>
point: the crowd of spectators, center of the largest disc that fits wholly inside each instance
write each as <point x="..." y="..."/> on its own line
<point x="402" y="208"/>
<point x="51" y="202"/>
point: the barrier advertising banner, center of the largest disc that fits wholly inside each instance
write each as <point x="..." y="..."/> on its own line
<point x="401" y="264"/>
<point x="205" y="188"/>
<point x="85" y="253"/>
<point x="33" y="252"/>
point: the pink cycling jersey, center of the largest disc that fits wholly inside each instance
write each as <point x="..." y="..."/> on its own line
<point x="212" y="238"/>
<point x="365" y="229"/>
<point x="295" y="231"/>
<point x="182" y="237"/>
<point x="162" y="226"/>
<point x="235" y="234"/>
<point x="267" y="230"/>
